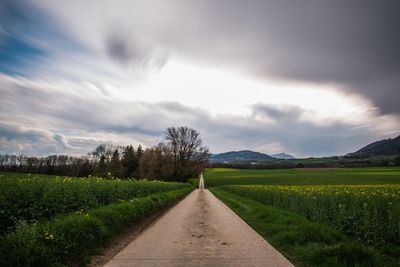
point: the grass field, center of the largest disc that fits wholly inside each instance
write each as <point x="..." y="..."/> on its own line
<point x="59" y="221"/>
<point x="303" y="242"/>
<point x="221" y="176"/>
<point x="319" y="217"/>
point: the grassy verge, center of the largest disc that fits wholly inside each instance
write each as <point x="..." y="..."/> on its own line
<point x="303" y="242"/>
<point x="70" y="239"/>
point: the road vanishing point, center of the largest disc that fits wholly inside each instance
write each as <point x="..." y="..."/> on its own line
<point x="199" y="231"/>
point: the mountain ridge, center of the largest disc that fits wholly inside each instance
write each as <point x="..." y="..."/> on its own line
<point x="389" y="146"/>
<point x="246" y="156"/>
<point x="282" y="156"/>
<point x="240" y="156"/>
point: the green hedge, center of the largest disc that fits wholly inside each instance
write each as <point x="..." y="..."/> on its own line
<point x="32" y="198"/>
<point x="72" y="238"/>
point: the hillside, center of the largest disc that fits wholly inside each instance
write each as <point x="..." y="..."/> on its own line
<point x="384" y="147"/>
<point x="282" y="156"/>
<point x="240" y="156"/>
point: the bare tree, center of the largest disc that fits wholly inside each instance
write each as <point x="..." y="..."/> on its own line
<point x="188" y="153"/>
<point x="102" y="153"/>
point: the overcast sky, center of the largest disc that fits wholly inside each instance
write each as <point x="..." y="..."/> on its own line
<point x="310" y="77"/>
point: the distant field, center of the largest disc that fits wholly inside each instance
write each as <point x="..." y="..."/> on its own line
<point x="223" y="176"/>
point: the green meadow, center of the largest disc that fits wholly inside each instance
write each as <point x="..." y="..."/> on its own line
<point x="223" y="176"/>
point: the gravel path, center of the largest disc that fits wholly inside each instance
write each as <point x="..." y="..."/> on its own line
<point x="199" y="231"/>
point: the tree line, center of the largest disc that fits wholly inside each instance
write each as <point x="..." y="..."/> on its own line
<point x="180" y="157"/>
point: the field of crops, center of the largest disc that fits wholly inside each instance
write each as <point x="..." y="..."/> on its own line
<point x="29" y="198"/>
<point x="48" y="220"/>
<point x="362" y="204"/>
<point x="370" y="213"/>
<point x="221" y="176"/>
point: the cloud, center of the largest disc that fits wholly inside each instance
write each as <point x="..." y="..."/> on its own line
<point x="277" y="113"/>
<point x="131" y="53"/>
<point x="344" y="42"/>
<point x="76" y="74"/>
<point x="74" y="118"/>
<point x="16" y="139"/>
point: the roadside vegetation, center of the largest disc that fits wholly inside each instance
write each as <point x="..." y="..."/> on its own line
<point x="51" y="217"/>
<point x="68" y="240"/>
<point x="318" y="217"/>
<point x="369" y="213"/>
<point x="26" y="198"/>
<point x="303" y="242"/>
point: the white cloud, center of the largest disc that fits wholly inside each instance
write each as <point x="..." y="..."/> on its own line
<point x="54" y="116"/>
<point x="123" y="71"/>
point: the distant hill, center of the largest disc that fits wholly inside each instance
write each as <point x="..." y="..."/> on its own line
<point x="240" y="156"/>
<point x="384" y="147"/>
<point x="282" y="156"/>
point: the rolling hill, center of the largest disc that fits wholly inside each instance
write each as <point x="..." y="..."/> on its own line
<point x="240" y="156"/>
<point x="282" y="156"/>
<point x="384" y="147"/>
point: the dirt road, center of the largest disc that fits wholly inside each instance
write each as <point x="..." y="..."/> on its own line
<point x="199" y="231"/>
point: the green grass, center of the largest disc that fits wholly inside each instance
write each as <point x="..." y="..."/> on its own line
<point x="305" y="243"/>
<point x="68" y="240"/>
<point x="28" y="198"/>
<point x="218" y="177"/>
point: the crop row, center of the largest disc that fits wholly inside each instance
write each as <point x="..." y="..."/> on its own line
<point x="32" y="198"/>
<point x="69" y="240"/>
<point x="371" y="213"/>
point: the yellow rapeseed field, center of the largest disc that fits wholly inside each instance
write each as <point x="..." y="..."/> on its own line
<point x="371" y="213"/>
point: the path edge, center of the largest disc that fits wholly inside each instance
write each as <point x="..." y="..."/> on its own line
<point x="127" y="235"/>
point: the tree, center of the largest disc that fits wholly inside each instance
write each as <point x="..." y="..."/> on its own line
<point x="128" y="161"/>
<point x="189" y="156"/>
<point x="138" y="155"/>
<point x="115" y="165"/>
<point x="102" y="154"/>
<point x="397" y="161"/>
<point x="21" y="159"/>
<point x="156" y="163"/>
<point x="102" y="151"/>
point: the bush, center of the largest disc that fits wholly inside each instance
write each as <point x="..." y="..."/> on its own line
<point x="32" y="198"/>
<point x="71" y="238"/>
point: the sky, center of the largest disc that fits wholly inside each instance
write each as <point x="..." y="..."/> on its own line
<point x="309" y="78"/>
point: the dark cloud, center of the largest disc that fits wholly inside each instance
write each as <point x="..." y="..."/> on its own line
<point x="121" y="47"/>
<point x="353" y="44"/>
<point x="277" y="113"/>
